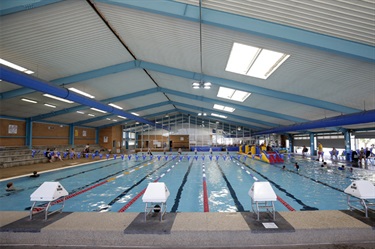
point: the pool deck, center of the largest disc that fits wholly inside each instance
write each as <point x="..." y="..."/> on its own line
<point x="299" y="229"/>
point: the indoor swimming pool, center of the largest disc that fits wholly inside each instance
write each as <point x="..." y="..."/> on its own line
<point x="116" y="185"/>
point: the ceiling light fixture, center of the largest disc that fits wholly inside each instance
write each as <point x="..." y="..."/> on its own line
<point x="58" y="98"/>
<point x="49" y="105"/>
<point x="201" y="83"/>
<point x="98" y="110"/>
<point x="81" y="92"/>
<point x="29" y="100"/>
<point x="14" y="66"/>
<point x="115" y="106"/>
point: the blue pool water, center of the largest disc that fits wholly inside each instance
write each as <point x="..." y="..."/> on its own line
<point x="228" y="181"/>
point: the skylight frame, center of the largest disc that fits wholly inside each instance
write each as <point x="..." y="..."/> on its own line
<point x="224" y="108"/>
<point x="254" y="61"/>
<point x="232" y="94"/>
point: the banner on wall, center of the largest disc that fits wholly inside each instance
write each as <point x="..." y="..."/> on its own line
<point x="84" y="133"/>
<point x="105" y="139"/>
<point x="76" y="133"/>
<point x="12" y="129"/>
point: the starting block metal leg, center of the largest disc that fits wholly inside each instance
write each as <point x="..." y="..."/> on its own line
<point x="269" y="207"/>
<point x="45" y="209"/>
<point x="363" y="203"/>
<point x="151" y="208"/>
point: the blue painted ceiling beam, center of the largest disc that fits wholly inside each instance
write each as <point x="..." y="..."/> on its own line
<point x="8" y="7"/>
<point x="19" y="78"/>
<point x="239" y="107"/>
<point x="349" y="119"/>
<point x="76" y="78"/>
<point x="132" y="110"/>
<point x="248" y="88"/>
<point x="252" y="26"/>
<point x="229" y="116"/>
<point x="106" y="101"/>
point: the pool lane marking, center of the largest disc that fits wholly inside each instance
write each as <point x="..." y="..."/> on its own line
<point x="289" y="207"/>
<point x="305" y="207"/>
<point x="206" y="207"/>
<point x="127" y="205"/>
<point x="179" y="192"/>
<point x="85" y="188"/>
<point x="232" y="192"/>
<point x="317" y="181"/>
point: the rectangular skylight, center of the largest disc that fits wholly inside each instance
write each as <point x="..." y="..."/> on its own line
<point x="29" y="100"/>
<point x="14" y="66"/>
<point x="218" y="115"/>
<point x="81" y="92"/>
<point x="254" y="61"/>
<point x="224" y="108"/>
<point x="98" y="110"/>
<point x="232" y="94"/>
<point x="115" y="106"/>
<point x="58" y="98"/>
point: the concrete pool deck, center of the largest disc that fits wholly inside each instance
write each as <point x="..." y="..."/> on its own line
<point x="187" y="230"/>
<point x="299" y="229"/>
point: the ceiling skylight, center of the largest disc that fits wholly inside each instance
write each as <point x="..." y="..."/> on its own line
<point x="14" y="66"/>
<point x="224" y="108"/>
<point x="253" y="61"/>
<point x="58" y="98"/>
<point x="218" y="115"/>
<point x="232" y="94"/>
<point x="81" y="92"/>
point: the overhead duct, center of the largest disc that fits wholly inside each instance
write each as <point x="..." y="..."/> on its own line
<point x="349" y="119"/>
<point x="10" y="75"/>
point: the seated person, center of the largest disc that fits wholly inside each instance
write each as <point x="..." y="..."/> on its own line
<point x="56" y="155"/>
<point x="48" y="155"/>
<point x="35" y="174"/>
<point x="304" y="151"/>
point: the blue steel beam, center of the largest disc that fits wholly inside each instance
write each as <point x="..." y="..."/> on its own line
<point x="8" y="7"/>
<point x="131" y="110"/>
<point x="248" y="88"/>
<point x="349" y="119"/>
<point x="229" y="116"/>
<point x="217" y="118"/>
<point x="252" y="26"/>
<point x="19" y="78"/>
<point x="238" y="107"/>
<point x="106" y="101"/>
<point x="76" y="78"/>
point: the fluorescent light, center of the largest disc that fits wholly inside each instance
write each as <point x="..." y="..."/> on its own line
<point x="98" y="110"/>
<point x="54" y="97"/>
<point x="254" y="61"/>
<point x="207" y="85"/>
<point x="136" y="114"/>
<point x="29" y="100"/>
<point x="232" y="94"/>
<point x="115" y="106"/>
<point x="80" y="112"/>
<point x="115" y="120"/>
<point x="108" y="118"/>
<point x="218" y="115"/>
<point x="224" y="108"/>
<point x="91" y="115"/>
<point x="121" y="117"/>
<point x="53" y="106"/>
<point x="14" y="66"/>
<point x="81" y="92"/>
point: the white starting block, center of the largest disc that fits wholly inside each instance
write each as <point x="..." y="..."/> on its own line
<point x="48" y="192"/>
<point x="364" y="191"/>
<point x="262" y="196"/>
<point x="155" y="197"/>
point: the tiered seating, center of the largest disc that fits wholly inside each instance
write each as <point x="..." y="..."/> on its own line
<point x="17" y="156"/>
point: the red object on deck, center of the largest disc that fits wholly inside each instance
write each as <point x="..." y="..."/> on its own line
<point x="273" y="157"/>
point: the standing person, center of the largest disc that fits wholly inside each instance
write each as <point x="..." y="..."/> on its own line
<point x="211" y="151"/>
<point x="195" y="150"/>
<point x="87" y="148"/>
<point x="304" y="150"/>
<point x="179" y="151"/>
<point x="320" y="151"/>
<point x="361" y="156"/>
<point x="149" y="152"/>
<point x="334" y="153"/>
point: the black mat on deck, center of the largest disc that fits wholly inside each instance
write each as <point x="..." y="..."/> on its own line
<point x="152" y="225"/>
<point x="266" y="219"/>
<point x="25" y="225"/>
<point x="361" y="216"/>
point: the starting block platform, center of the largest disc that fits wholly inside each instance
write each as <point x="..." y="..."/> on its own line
<point x="364" y="191"/>
<point x="262" y="197"/>
<point x="155" y="197"/>
<point x="47" y="193"/>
